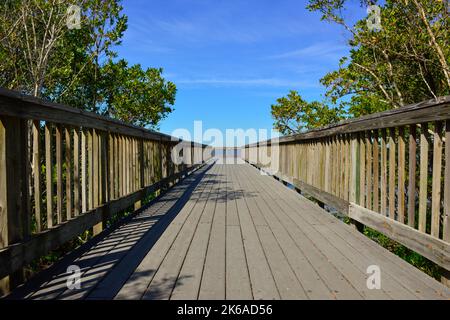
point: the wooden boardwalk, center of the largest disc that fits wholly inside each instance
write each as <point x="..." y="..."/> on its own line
<point x="228" y="232"/>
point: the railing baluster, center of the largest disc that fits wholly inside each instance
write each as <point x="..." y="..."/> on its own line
<point x="446" y="215"/>
<point x="412" y="176"/>
<point x="111" y="166"/>
<point x="96" y="169"/>
<point x="327" y="165"/>
<point x="392" y="172"/>
<point x="423" y="183"/>
<point x="376" y="172"/>
<point x="362" y="169"/>
<point x="401" y="176"/>
<point x="76" y="171"/>
<point x="90" y="154"/>
<point x="37" y="174"/>
<point x="368" y="170"/>
<point x="49" y="173"/>
<point x="383" y="184"/>
<point x="117" y="171"/>
<point x="84" y="170"/>
<point x="68" y="172"/>
<point x="436" y="180"/>
<point x="59" y="178"/>
<point x="347" y="167"/>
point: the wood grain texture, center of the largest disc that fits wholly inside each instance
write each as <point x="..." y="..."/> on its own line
<point x="37" y="174"/>
<point x="369" y="162"/>
<point x="423" y="182"/>
<point x="434" y="249"/>
<point x="401" y="176"/>
<point x="436" y="180"/>
<point x="236" y="235"/>
<point x="77" y="178"/>
<point x="376" y="172"/>
<point x="68" y="164"/>
<point x="383" y="183"/>
<point x="48" y="173"/>
<point x="76" y="172"/>
<point x="84" y="169"/>
<point x="27" y="107"/>
<point x="392" y="173"/>
<point x="362" y="168"/>
<point x="426" y="111"/>
<point x="59" y="174"/>
<point x="14" y="202"/>
<point x="412" y="175"/>
<point x="446" y="215"/>
<point x="15" y="256"/>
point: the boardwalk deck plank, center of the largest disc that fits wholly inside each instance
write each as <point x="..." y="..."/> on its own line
<point x="405" y="275"/>
<point x="137" y="284"/>
<point x="285" y="278"/>
<point x="237" y="283"/>
<point x="167" y="276"/>
<point x="228" y="232"/>
<point x="261" y="279"/>
<point x="213" y="277"/>
<point x="188" y="283"/>
<point x="339" y="286"/>
<point x="349" y="263"/>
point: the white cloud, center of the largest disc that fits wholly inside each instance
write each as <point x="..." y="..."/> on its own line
<point x="318" y="50"/>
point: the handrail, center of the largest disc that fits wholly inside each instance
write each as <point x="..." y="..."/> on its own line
<point x="18" y="105"/>
<point x="389" y="171"/>
<point x="425" y="111"/>
<point x="64" y="171"/>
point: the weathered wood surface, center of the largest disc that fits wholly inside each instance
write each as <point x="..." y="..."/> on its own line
<point x="230" y="232"/>
<point x="399" y="164"/>
<point x="17" y="105"/>
<point x="71" y="186"/>
<point x="433" y="248"/>
<point x="17" y="254"/>
<point x="425" y="111"/>
<point x="430" y="247"/>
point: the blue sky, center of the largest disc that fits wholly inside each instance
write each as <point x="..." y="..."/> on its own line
<point x="231" y="59"/>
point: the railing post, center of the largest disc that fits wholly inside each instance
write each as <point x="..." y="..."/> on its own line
<point x="258" y="150"/>
<point x="140" y="165"/>
<point x="14" y="217"/>
<point x="354" y="185"/>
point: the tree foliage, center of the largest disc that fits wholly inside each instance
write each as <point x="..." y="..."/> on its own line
<point x="407" y="61"/>
<point x="293" y="114"/>
<point x="41" y="56"/>
<point x="136" y="95"/>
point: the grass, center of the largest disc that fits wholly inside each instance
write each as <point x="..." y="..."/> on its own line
<point x="403" y="252"/>
<point x="406" y="254"/>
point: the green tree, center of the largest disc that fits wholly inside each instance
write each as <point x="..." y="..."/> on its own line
<point x="135" y="95"/>
<point x="41" y="56"/>
<point x="292" y="114"/>
<point x="405" y="62"/>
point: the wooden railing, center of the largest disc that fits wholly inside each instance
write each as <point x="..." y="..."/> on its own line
<point x="389" y="171"/>
<point x="84" y="168"/>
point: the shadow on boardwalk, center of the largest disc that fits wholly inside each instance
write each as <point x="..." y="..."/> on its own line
<point x="109" y="259"/>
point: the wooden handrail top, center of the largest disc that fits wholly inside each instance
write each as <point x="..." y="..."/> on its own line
<point x="16" y="104"/>
<point x="425" y="111"/>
